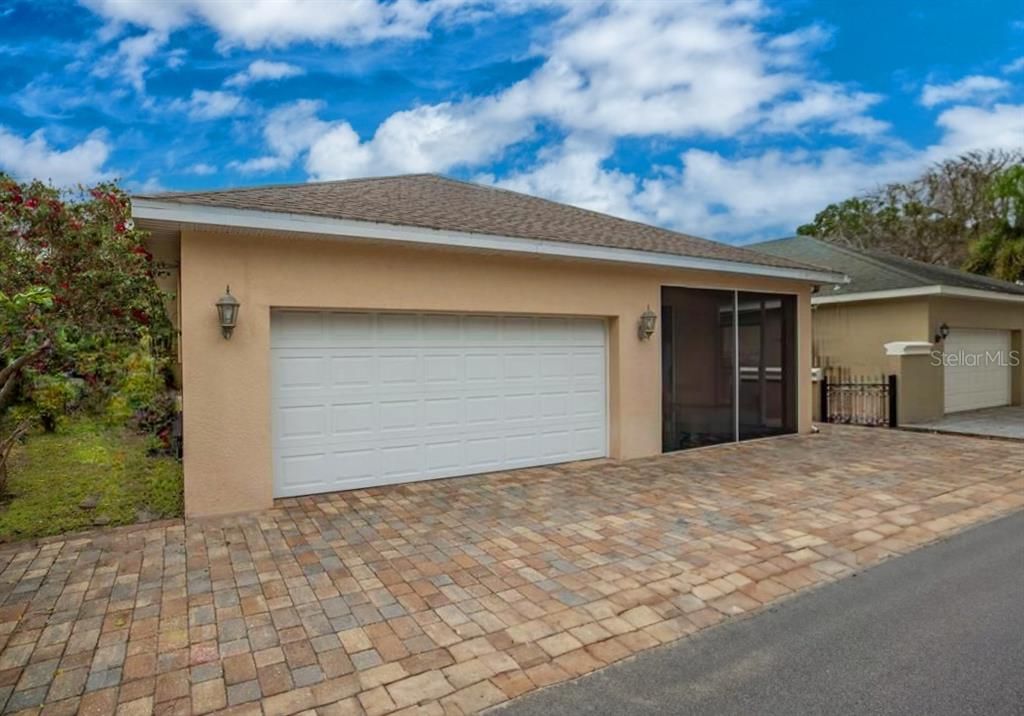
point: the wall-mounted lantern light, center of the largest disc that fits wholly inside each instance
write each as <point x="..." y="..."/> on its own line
<point x="645" y="328"/>
<point x="227" y="312"/>
<point x="943" y="333"/>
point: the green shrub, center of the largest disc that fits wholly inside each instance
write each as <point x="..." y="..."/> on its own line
<point x="141" y="398"/>
<point x="53" y="396"/>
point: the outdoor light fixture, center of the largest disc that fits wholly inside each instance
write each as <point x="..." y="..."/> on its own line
<point x="942" y="334"/>
<point x="646" y="326"/>
<point x="227" y="311"/>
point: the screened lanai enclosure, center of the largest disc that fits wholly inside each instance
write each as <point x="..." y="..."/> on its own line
<point x="728" y="366"/>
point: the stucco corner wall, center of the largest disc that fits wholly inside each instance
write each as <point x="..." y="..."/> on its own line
<point x="226" y="383"/>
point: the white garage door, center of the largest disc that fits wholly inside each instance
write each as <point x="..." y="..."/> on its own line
<point x="977" y="369"/>
<point x="362" y="399"/>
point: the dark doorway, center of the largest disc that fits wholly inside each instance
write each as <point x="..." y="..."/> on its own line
<point x="767" y="340"/>
<point x="728" y="362"/>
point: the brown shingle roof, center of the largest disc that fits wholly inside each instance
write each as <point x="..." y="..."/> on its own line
<point x="436" y="202"/>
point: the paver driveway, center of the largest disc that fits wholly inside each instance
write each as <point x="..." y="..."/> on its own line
<point x="456" y="595"/>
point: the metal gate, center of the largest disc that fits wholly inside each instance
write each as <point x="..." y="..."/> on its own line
<point x="858" y="400"/>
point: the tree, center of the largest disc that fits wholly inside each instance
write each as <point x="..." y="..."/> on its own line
<point x="934" y="218"/>
<point x="1000" y="252"/>
<point x="22" y="340"/>
<point x="79" y="293"/>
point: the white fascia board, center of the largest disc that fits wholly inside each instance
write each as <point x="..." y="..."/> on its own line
<point x="196" y="215"/>
<point x="950" y="291"/>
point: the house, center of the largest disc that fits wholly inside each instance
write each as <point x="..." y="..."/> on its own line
<point x="414" y="327"/>
<point x="954" y="337"/>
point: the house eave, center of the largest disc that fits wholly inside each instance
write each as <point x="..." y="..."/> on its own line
<point x="164" y="214"/>
<point x="917" y="292"/>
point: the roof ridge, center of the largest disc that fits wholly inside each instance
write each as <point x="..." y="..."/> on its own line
<point x="925" y="266"/>
<point x="862" y="254"/>
<point x="447" y="179"/>
<point x="439" y="202"/>
<point x="592" y="212"/>
<point x="284" y="185"/>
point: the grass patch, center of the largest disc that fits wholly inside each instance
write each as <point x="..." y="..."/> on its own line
<point x="53" y="474"/>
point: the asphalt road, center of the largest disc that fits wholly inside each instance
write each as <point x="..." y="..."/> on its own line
<point x="940" y="631"/>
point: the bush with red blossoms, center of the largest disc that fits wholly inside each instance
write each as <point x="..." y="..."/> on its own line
<point x="83" y="249"/>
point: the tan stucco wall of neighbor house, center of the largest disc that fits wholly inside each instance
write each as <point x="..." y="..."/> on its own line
<point x="227" y="407"/>
<point x="853" y="336"/>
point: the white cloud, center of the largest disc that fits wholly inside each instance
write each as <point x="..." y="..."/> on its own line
<point x="763" y="195"/>
<point x="33" y="157"/>
<point x="758" y="195"/>
<point x="263" y="70"/>
<point x="289" y="130"/>
<point x="272" y="23"/>
<point x="966" y="128"/>
<point x="1015" y="66"/>
<point x="207" y="105"/>
<point x="843" y="110"/>
<point x="265" y="23"/>
<point x="628" y="69"/>
<point x="423" y="139"/>
<point x="972" y="88"/>
<point x="202" y="169"/>
<point x="572" y="173"/>
<point x="131" y="58"/>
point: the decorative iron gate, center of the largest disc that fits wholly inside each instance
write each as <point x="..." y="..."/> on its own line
<point x="858" y="400"/>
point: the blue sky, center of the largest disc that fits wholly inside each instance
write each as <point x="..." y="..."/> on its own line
<point x="735" y="121"/>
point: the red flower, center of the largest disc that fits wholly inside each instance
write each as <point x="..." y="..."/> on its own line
<point x="119" y="228"/>
<point x="141" y="316"/>
<point x="32" y="203"/>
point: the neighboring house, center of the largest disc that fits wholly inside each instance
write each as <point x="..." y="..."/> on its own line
<point x="415" y="327"/>
<point x="894" y="300"/>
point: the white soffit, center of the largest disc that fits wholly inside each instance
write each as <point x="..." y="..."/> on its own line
<point x="192" y="215"/>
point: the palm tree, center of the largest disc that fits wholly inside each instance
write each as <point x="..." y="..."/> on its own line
<point x="1000" y="252"/>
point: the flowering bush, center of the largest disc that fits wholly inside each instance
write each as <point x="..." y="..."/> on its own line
<point x="98" y="304"/>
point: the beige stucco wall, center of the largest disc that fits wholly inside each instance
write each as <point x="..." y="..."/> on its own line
<point x="853" y="335"/>
<point x="227" y="421"/>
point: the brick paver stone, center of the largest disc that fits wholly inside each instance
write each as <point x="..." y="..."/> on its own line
<point x="454" y="595"/>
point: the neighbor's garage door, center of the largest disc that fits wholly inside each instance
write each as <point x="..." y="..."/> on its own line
<point x="362" y="399"/>
<point x="980" y="377"/>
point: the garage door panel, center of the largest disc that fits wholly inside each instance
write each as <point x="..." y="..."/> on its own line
<point x="297" y="328"/>
<point x="352" y="465"/>
<point x="588" y="332"/>
<point x="372" y="399"/>
<point x="588" y="403"/>
<point x="481" y="330"/>
<point x="589" y="441"/>
<point x="304" y="473"/>
<point x="353" y="370"/>
<point x="397" y="415"/>
<point x="398" y="329"/>
<point x="298" y="371"/>
<point x="444" y="456"/>
<point x="303" y="421"/>
<point x="353" y="329"/>
<point x="442" y="413"/>
<point x="354" y="419"/>
<point x="403" y="368"/>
